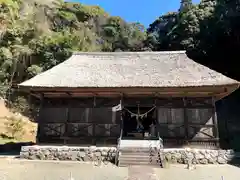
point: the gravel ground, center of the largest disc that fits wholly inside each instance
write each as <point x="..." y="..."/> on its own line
<point x="11" y="169"/>
<point x="204" y="172"/>
<point x="44" y="170"/>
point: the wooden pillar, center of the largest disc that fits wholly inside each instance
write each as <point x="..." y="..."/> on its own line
<point x="214" y="118"/>
<point x="94" y="137"/>
<point x="186" y="125"/>
<point x="121" y="116"/>
<point x="66" y="133"/>
<point x="30" y="103"/>
<point x="39" y="118"/>
<point x="157" y="122"/>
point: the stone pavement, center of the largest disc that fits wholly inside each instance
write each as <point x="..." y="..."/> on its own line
<point x="12" y="169"/>
<point x="141" y="173"/>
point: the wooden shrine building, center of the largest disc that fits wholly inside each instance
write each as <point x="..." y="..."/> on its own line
<point x="96" y="98"/>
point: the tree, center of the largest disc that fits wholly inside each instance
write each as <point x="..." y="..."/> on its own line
<point x="159" y="33"/>
<point x="37" y="35"/>
<point x="185" y="5"/>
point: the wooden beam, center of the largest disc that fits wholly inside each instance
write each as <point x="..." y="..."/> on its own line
<point x="37" y="95"/>
<point x="212" y="88"/>
<point x="190" y="125"/>
<point x="133" y="94"/>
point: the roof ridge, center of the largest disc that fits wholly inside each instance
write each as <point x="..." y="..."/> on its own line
<point x="129" y="53"/>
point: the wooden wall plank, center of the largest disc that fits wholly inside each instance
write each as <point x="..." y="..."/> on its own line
<point x="78" y="115"/>
<point x="86" y="121"/>
<point x="53" y="114"/>
<point x="101" y="115"/>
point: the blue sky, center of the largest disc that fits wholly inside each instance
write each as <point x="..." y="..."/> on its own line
<point x="143" y="11"/>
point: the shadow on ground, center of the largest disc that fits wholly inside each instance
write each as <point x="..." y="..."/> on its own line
<point x="235" y="161"/>
<point x="13" y="148"/>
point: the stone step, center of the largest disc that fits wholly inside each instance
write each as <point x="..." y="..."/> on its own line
<point x="142" y="159"/>
<point x="138" y="154"/>
<point x="129" y="163"/>
<point x="137" y="149"/>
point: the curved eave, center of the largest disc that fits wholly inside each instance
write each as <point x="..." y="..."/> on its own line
<point x="219" y="91"/>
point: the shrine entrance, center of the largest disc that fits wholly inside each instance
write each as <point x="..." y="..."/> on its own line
<point x="139" y="123"/>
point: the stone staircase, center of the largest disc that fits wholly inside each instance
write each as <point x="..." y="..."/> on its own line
<point x="139" y="152"/>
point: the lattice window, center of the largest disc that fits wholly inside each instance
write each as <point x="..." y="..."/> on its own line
<point x="53" y="129"/>
<point x="80" y="129"/>
<point x="201" y="132"/>
<point x="115" y="130"/>
<point x="172" y="131"/>
<point x="102" y="130"/>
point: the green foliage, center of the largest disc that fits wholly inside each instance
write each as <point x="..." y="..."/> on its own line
<point x="33" y="70"/>
<point x="15" y="127"/>
<point x="37" y="35"/>
<point x="209" y="31"/>
<point x="20" y="105"/>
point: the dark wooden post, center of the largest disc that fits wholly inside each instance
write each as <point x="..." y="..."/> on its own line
<point x="121" y="116"/>
<point x="39" y="118"/>
<point x="157" y="123"/>
<point x="94" y="137"/>
<point x="66" y="133"/>
<point x="214" y="117"/>
<point x="186" y="125"/>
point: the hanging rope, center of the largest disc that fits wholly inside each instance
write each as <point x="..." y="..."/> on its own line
<point x="138" y="116"/>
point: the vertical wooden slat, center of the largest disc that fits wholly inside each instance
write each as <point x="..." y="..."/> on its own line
<point x="66" y="133"/>
<point x="86" y="114"/>
<point x="186" y="120"/>
<point x="216" y="133"/>
<point x="90" y="114"/>
<point x="157" y="123"/>
<point x="114" y="116"/>
<point x="121" y="115"/>
<point x="94" y="140"/>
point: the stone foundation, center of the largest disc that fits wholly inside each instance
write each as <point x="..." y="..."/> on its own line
<point x="180" y="156"/>
<point x="68" y="153"/>
<point x="198" y="156"/>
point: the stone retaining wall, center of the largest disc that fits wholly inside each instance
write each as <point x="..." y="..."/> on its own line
<point x="181" y="156"/>
<point x="68" y="153"/>
<point x="194" y="156"/>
